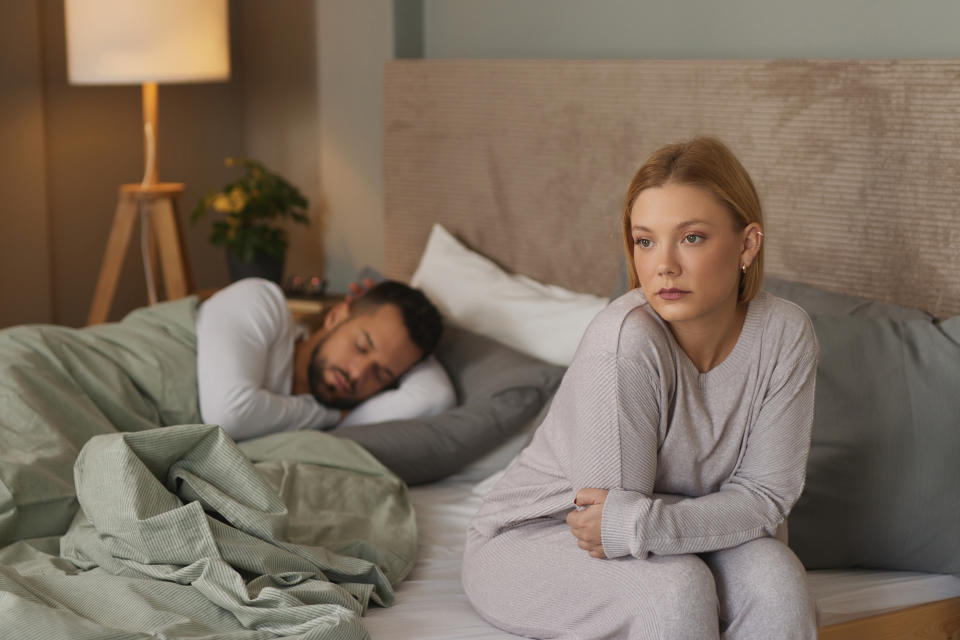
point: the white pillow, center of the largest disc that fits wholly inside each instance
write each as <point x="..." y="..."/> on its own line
<point x="544" y="321"/>
<point x="424" y="390"/>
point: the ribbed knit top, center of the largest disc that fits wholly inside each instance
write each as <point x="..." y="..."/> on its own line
<point x="694" y="461"/>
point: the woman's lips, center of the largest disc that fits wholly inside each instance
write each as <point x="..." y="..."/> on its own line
<point x="672" y="294"/>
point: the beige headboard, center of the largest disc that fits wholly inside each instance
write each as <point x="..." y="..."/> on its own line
<point x="527" y="161"/>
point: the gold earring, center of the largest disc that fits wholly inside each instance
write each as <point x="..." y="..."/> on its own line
<point x="743" y="268"/>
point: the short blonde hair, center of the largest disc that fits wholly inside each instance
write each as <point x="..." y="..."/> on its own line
<point x="707" y="163"/>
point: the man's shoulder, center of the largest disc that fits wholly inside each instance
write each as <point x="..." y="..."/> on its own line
<point x="252" y="289"/>
<point x="254" y="298"/>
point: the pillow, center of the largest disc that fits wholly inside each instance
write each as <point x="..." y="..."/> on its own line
<point x="543" y="321"/>
<point x="424" y="390"/>
<point x="500" y="390"/>
<point x="883" y="478"/>
<point x="815" y="300"/>
<point x="497" y="460"/>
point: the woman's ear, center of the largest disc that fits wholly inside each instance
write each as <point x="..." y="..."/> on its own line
<point x="752" y="241"/>
<point x="336" y="315"/>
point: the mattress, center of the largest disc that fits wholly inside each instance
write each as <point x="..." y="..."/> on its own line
<point x="431" y="604"/>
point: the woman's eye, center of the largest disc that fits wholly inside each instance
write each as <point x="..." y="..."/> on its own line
<point x="692" y="238"/>
<point x="642" y="242"/>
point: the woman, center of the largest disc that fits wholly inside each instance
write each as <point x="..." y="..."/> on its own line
<point x="647" y="503"/>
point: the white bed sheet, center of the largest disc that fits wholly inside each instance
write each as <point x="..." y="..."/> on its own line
<point x="431" y="604"/>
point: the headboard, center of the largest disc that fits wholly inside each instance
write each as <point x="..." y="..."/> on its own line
<point x="527" y="161"/>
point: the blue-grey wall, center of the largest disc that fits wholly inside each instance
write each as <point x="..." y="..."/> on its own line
<point x="691" y="29"/>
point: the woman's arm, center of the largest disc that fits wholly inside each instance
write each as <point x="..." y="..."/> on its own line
<point x="752" y="503"/>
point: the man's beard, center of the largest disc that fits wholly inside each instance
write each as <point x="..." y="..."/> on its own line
<point x="318" y="386"/>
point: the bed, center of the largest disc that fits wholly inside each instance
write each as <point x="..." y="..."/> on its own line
<point x="526" y="162"/>
<point x="518" y="168"/>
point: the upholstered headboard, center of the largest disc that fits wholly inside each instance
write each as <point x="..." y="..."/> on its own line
<point x="528" y="161"/>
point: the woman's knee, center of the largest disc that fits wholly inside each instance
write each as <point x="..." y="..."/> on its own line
<point x="685" y="601"/>
<point x="766" y="566"/>
<point x="762" y="585"/>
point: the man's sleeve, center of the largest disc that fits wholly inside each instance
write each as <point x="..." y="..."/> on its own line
<point x="236" y="329"/>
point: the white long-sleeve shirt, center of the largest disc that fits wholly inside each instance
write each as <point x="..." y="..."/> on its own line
<point x="245" y="351"/>
<point x="245" y="340"/>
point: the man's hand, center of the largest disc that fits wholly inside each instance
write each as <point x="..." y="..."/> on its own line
<point x="586" y="519"/>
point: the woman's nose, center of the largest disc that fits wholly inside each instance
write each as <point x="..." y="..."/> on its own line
<point x="667" y="264"/>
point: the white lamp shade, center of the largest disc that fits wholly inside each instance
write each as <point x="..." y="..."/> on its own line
<point x="137" y="41"/>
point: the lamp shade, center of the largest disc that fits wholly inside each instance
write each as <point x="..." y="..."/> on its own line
<point x="143" y="41"/>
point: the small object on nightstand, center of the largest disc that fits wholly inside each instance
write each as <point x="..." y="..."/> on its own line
<point x="307" y="287"/>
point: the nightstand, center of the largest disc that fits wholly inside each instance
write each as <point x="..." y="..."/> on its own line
<point x="307" y="309"/>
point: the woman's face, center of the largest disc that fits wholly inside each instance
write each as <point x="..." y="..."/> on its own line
<point x="687" y="253"/>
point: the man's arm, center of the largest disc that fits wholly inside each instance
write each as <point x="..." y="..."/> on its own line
<point x="237" y="329"/>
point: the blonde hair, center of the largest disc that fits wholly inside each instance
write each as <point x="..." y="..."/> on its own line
<point x="707" y="163"/>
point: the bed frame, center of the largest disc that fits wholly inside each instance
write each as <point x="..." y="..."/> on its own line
<point x="527" y="161"/>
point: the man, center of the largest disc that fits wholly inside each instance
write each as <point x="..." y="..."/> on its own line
<point x="258" y="374"/>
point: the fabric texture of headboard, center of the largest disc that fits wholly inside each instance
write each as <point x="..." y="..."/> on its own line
<point x="527" y="161"/>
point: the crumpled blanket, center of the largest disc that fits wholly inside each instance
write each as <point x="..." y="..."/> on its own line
<point x="176" y="531"/>
<point x="180" y="535"/>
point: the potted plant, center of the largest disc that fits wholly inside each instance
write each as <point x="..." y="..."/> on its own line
<point x="253" y="209"/>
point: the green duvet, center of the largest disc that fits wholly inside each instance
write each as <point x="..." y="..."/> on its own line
<point x="114" y="528"/>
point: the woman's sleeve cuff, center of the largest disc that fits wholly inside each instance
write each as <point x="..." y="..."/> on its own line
<point x="618" y="529"/>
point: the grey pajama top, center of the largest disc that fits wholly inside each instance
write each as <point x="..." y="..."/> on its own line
<point x="694" y="462"/>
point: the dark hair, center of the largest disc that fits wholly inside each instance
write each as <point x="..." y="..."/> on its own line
<point x="420" y="316"/>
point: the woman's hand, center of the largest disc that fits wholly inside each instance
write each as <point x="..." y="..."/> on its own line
<point x="586" y="519"/>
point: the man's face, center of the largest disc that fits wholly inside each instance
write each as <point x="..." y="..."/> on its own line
<point x="360" y="356"/>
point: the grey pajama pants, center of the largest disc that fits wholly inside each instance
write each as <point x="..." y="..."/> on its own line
<point x="534" y="581"/>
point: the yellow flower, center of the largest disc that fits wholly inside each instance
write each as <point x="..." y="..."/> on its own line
<point x="222" y="203"/>
<point x="238" y="199"/>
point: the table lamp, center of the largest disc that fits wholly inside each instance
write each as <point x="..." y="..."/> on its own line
<point x="146" y="42"/>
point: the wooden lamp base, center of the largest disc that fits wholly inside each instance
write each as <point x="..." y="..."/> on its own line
<point x="165" y="244"/>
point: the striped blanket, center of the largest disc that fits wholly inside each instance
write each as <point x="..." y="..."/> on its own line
<point x="115" y="527"/>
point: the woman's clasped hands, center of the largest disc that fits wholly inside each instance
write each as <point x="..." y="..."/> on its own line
<point x="585" y="521"/>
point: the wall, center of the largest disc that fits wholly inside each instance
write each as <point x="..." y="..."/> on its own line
<point x="305" y="98"/>
<point x="280" y="105"/>
<point x="68" y="148"/>
<point x="356" y="38"/>
<point x="691" y="29"/>
<point x="94" y="144"/>
<point x="25" y="283"/>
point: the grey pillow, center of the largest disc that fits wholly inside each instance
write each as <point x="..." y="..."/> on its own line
<point x="883" y="480"/>
<point x="815" y="300"/>
<point x="499" y="390"/>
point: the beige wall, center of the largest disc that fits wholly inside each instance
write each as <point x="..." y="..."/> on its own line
<point x="355" y="40"/>
<point x="68" y="148"/>
<point x="94" y="144"/>
<point x="24" y="250"/>
<point x="281" y="102"/>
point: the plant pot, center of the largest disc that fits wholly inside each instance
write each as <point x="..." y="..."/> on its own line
<point x="262" y="266"/>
